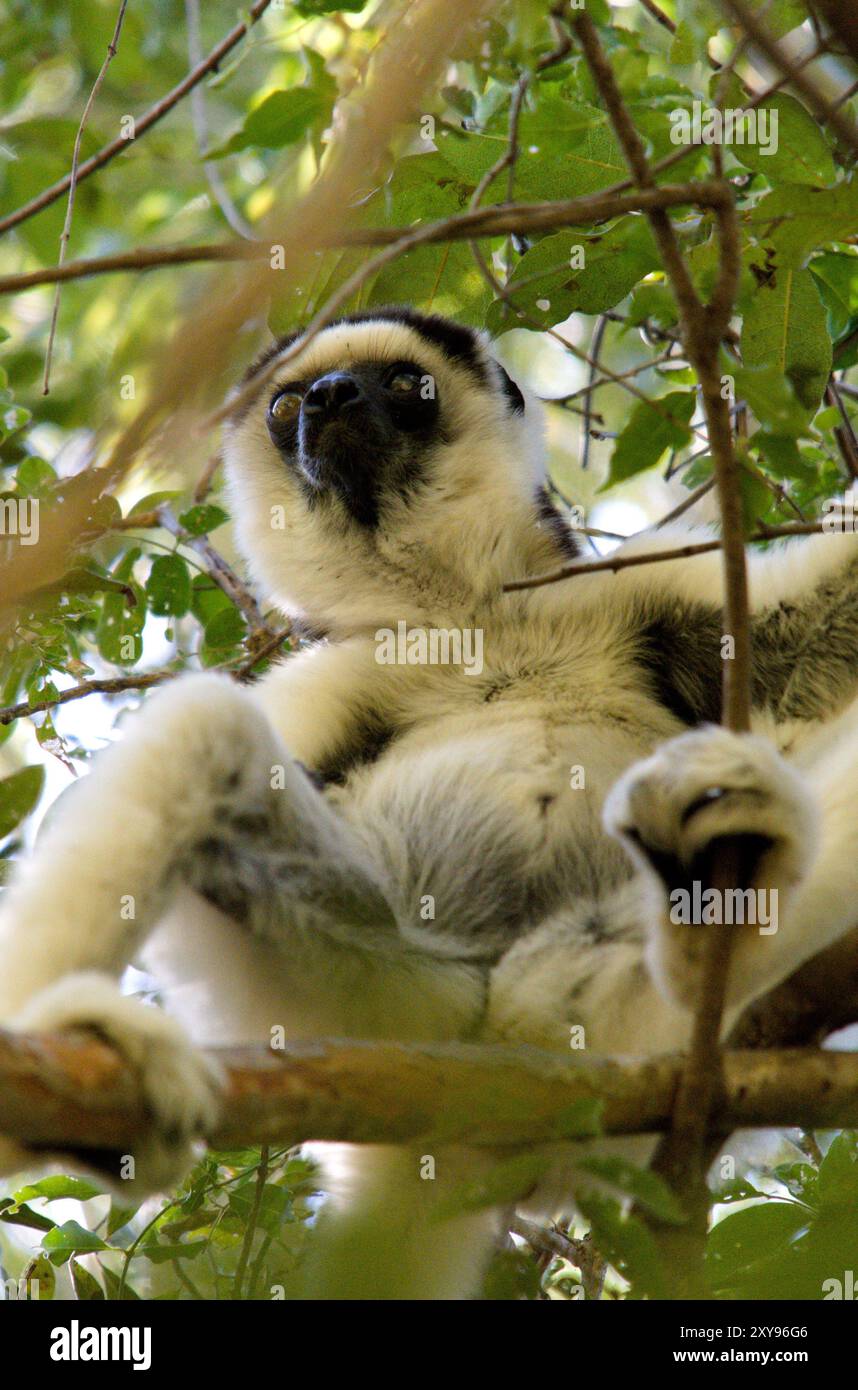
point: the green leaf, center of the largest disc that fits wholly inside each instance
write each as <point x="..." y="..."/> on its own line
<point x="506" y="1181"/>
<point x="226" y="628"/>
<point x="624" y="1240"/>
<point x="169" y="586"/>
<point x="70" y="1239"/>
<point x="280" y="119"/>
<point x="747" y="1237"/>
<point x="836" y="277"/>
<point x="785" y="328"/>
<point x="316" y="7"/>
<point x="569" y="272"/>
<point x="838" y="1172"/>
<point x="582" y="1119"/>
<point x="120" y="626"/>
<point x="565" y="149"/>
<point x="683" y="49"/>
<point x="651" y="429"/>
<point x="783" y="455"/>
<point x="207" y="598"/>
<point x="795" y="220"/>
<point x="799" y="150"/>
<point x="123" y="1293"/>
<point x="202" y="518"/>
<point x="54" y="1187"/>
<point x="160" y="1254"/>
<point x="35" y="478"/>
<point x="86" y="1287"/>
<point x="769" y="395"/>
<point x="435" y="280"/>
<point x="648" y="1189"/>
<point x="153" y="500"/>
<point x="19" y="794"/>
<point x="23" y="1215"/>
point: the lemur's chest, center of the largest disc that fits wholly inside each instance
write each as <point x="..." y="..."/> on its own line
<point x="529" y="705"/>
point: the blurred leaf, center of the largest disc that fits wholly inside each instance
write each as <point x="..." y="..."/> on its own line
<point x="281" y="119"/>
<point x="19" y="794"/>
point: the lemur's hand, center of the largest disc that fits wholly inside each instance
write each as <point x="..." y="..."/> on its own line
<point x="674" y="810"/>
<point x="180" y="1085"/>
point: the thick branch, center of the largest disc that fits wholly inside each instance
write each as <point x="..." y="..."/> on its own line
<point x="495" y="220"/>
<point x="65" y="1093"/>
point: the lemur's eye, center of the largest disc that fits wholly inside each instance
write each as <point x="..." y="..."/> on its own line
<point x="404" y="379"/>
<point x="284" y="408"/>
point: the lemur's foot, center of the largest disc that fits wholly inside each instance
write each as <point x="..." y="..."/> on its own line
<point x="181" y="1086"/>
<point x="677" y="810"/>
<point x="710" y="785"/>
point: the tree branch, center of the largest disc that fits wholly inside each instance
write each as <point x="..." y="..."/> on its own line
<point x="498" y="219"/>
<point x="144" y="123"/>
<point x="822" y="109"/>
<point x="66" y="1092"/>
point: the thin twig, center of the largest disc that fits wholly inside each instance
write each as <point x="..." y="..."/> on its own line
<point x="198" y="112"/>
<point x="222" y="573"/>
<point x="111" y="685"/>
<point x="252" y="1221"/>
<point x="73" y="178"/>
<point x="142" y="124"/>
<point x="614" y="563"/>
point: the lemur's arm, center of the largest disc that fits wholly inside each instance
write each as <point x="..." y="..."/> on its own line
<point x="330" y="703"/>
<point x="803" y="601"/>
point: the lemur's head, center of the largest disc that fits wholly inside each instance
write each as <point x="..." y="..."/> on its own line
<point x="390" y="470"/>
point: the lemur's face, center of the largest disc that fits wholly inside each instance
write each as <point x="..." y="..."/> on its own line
<point x="391" y="440"/>
<point x="361" y="433"/>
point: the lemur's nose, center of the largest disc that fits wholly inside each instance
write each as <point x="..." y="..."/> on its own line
<point x="332" y="394"/>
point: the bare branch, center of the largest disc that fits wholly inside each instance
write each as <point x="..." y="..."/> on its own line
<point x="496" y="220"/>
<point x="654" y="557"/>
<point x="142" y="124"/>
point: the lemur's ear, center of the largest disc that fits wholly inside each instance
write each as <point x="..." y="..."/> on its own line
<point x="513" y="394"/>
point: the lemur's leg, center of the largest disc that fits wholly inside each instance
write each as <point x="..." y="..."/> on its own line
<point x="580" y="981"/>
<point x="201" y="767"/>
<point x="798" y="838"/>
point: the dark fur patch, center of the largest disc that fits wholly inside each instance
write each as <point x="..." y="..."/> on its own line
<point x="367" y="746"/>
<point x="679" y="649"/>
<point x="554" y="522"/>
<point x="511" y="391"/>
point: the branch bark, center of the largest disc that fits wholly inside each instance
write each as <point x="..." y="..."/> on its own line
<point x="63" y="1093"/>
<point x="495" y="220"/>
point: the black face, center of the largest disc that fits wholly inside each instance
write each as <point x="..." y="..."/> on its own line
<point x="360" y="434"/>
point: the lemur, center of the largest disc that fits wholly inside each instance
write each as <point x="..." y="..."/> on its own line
<point x="406" y="849"/>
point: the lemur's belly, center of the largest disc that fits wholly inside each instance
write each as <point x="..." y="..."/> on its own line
<point x="484" y="831"/>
